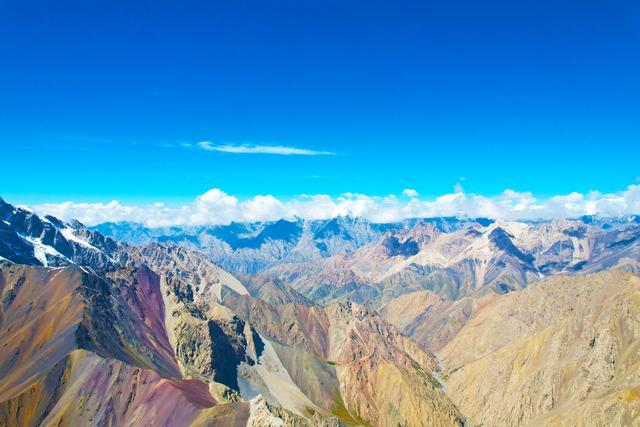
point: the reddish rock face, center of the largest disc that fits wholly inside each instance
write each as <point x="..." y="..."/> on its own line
<point x="127" y="371"/>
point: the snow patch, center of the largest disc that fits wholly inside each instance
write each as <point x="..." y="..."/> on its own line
<point x="68" y="234"/>
<point x="40" y="250"/>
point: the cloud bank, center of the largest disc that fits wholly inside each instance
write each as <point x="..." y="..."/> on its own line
<point x="261" y="149"/>
<point x="217" y="207"/>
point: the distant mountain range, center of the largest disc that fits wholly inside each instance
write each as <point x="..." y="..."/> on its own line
<point x="350" y="258"/>
<point x="251" y="248"/>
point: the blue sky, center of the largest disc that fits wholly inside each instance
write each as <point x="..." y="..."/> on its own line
<point x="113" y="100"/>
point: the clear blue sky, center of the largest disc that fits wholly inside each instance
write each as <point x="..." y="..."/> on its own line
<point x="97" y="97"/>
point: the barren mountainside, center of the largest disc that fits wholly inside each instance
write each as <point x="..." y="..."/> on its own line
<point x="564" y="352"/>
<point x="341" y="322"/>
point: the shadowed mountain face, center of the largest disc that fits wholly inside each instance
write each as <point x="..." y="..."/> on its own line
<point x="393" y="247"/>
<point x="27" y="238"/>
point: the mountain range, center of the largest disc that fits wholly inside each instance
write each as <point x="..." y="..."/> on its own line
<point x="253" y="247"/>
<point x="425" y="322"/>
<point x="351" y="259"/>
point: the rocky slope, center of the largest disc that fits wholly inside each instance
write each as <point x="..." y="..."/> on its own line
<point x="355" y="364"/>
<point x="127" y="348"/>
<point x="429" y="319"/>
<point x="70" y="352"/>
<point x="565" y="352"/>
<point x="27" y="238"/>
<point x="121" y="349"/>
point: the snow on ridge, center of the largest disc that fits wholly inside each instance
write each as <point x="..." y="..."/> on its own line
<point x="40" y="250"/>
<point x="68" y="234"/>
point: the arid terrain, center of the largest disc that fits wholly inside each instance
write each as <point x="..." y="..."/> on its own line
<point x="434" y="322"/>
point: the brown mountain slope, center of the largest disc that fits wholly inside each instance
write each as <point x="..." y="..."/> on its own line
<point x="126" y="348"/>
<point x="430" y="320"/>
<point x="564" y="352"/>
<point x="72" y="344"/>
<point x="85" y="389"/>
<point x="344" y="359"/>
<point x="355" y="363"/>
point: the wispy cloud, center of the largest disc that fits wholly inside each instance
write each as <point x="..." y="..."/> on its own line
<point x="261" y="149"/>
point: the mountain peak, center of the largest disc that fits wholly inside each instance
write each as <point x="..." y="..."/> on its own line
<point x="27" y="238"/>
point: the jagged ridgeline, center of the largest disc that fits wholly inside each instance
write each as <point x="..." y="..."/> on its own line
<point x="426" y="322"/>
<point x="348" y="258"/>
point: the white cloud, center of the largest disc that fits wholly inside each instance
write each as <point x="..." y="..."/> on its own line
<point x="217" y="207"/>
<point x="261" y="149"/>
<point x="410" y="192"/>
